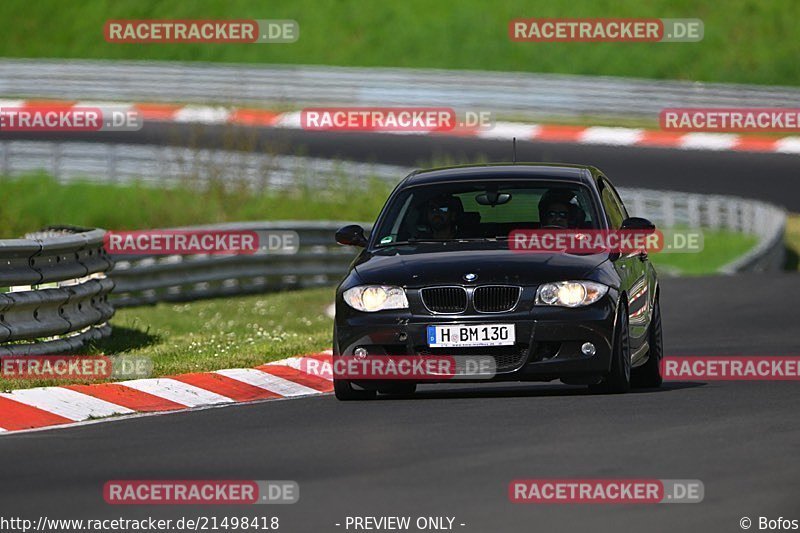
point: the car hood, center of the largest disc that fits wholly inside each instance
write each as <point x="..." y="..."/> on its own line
<point x="448" y="263"/>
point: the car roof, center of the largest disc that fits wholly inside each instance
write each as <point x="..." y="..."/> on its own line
<point x="502" y="171"/>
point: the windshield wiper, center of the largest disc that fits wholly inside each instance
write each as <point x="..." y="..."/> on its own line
<point x="411" y="241"/>
<point x="455" y="239"/>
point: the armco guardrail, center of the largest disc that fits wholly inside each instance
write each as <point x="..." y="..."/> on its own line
<point x="765" y="221"/>
<point x="520" y="94"/>
<point x="149" y="279"/>
<point x="56" y="295"/>
<point x="168" y="165"/>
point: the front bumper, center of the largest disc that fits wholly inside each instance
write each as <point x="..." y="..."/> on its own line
<point x="548" y="339"/>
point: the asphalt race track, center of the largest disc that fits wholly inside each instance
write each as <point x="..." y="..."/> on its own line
<point x="452" y="450"/>
<point x="765" y="176"/>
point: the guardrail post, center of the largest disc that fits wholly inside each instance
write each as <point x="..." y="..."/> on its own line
<point x="56" y="160"/>
<point x="5" y="146"/>
<point x="693" y="211"/>
<point x="111" y="159"/>
<point x="668" y="204"/>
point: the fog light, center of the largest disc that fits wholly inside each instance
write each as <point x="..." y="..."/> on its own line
<point x="360" y="352"/>
<point x="588" y="349"/>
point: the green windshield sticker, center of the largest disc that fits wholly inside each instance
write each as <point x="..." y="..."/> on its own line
<point x="386" y="239"/>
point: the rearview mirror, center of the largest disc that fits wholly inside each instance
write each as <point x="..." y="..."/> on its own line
<point x="493" y="198"/>
<point x="638" y="223"/>
<point x="352" y="235"/>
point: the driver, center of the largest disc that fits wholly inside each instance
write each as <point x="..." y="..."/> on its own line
<point x="556" y="208"/>
<point x="442" y="214"/>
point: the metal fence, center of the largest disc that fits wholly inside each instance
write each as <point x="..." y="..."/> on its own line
<point x="149" y="279"/>
<point x="765" y="221"/>
<point x="520" y="94"/>
<point x="169" y="165"/>
<point x="54" y="292"/>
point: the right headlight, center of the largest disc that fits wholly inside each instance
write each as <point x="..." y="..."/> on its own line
<point x="371" y="298"/>
<point x="570" y="293"/>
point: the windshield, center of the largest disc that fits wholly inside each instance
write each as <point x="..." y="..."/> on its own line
<point x="477" y="211"/>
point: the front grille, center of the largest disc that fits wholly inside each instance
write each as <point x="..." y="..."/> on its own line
<point x="495" y="298"/>
<point x="509" y="361"/>
<point x="444" y="299"/>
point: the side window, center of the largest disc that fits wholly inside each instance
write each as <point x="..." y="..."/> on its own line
<point x="618" y="200"/>
<point x="612" y="204"/>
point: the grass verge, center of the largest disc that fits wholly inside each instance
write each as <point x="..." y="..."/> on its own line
<point x="39" y="200"/>
<point x="719" y="249"/>
<point x="745" y="41"/>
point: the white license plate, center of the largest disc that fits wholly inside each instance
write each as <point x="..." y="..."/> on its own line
<point x="471" y="335"/>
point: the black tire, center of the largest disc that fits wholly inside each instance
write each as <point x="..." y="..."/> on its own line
<point x="345" y="392"/>
<point x="618" y="380"/>
<point x="398" y="388"/>
<point x="649" y="374"/>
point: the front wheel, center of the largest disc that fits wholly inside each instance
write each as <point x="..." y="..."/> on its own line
<point x="618" y="379"/>
<point x="649" y="374"/>
<point x="345" y="392"/>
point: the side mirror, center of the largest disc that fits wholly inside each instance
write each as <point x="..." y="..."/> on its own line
<point x="352" y="235"/>
<point x="638" y="223"/>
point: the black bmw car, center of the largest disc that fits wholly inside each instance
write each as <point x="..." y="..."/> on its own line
<point x="437" y="275"/>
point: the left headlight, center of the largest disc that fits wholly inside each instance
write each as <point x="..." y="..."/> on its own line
<point x="570" y="293"/>
<point x="370" y="298"/>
